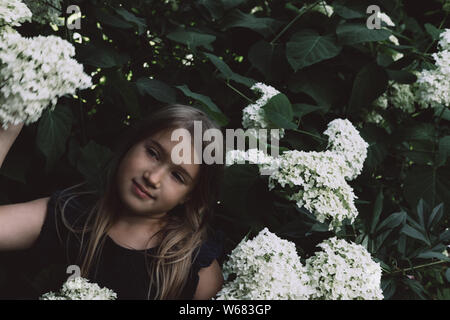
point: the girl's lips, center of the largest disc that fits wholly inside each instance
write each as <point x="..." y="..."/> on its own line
<point x="141" y="191"/>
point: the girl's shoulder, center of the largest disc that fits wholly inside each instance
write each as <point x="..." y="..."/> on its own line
<point x="210" y="249"/>
<point x="67" y="209"/>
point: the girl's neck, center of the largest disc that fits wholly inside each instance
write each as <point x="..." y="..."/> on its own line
<point x="135" y="232"/>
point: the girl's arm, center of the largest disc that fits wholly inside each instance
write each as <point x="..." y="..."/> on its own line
<point x="210" y="281"/>
<point x="20" y="223"/>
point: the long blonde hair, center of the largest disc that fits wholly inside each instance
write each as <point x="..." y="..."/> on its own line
<point x="186" y="225"/>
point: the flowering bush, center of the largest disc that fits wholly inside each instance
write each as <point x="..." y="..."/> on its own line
<point x="363" y="115"/>
<point x="35" y="72"/>
<point x="344" y="271"/>
<point x="80" y="289"/>
<point x="265" y="267"/>
<point x="433" y="86"/>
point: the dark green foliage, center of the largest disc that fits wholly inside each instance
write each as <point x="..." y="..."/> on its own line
<point x="208" y="53"/>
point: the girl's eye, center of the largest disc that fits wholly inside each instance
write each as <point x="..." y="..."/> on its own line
<point x="152" y="152"/>
<point x="178" y="177"/>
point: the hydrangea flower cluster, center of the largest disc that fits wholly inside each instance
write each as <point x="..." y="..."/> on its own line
<point x="13" y="13"/>
<point x="80" y="289"/>
<point x="344" y="271"/>
<point x="34" y="72"/>
<point x="433" y="86"/>
<point x="400" y="96"/>
<point x="253" y="116"/>
<point x="44" y="12"/>
<point x="266" y="267"/>
<point x="316" y="181"/>
<point x="344" y="139"/>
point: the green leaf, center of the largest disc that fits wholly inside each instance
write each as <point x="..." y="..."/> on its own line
<point x="215" y="8"/>
<point x="157" y="89"/>
<point x="349" y="10"/>
<point x="431" y="184"/>
<point x="104" y="17"/>
<point x="228" y="73"/>
<point x="130" y="17"/>
<point x="433" y="254"/>
<point x="264" y="26"/>
<point x="211" y="107"/>
<point x="444" y="145"/>
<point x="93" y="163"/>
<point x="401" y="76"/>
<point x="378" y="207"/>
<point x="414" y="233"/>
<point x="419" y="132"/>
<point x="443" y="112"/>
<point x="260" y="56"/>
<point x="230" y="4"/>
<point x="278" y="112"/>
<point x="301" y="109"/>
<point x="432" y="31"/>
<point x="352" y="33"/>
<point x="100" y="56"/>
<point x="420" y="213"/>
<point x="308" y="47"/>
<point x="436" y="216"/>
<point x="52" y="133"/>
<point x="370" y="82"/>
<point x="388" y="286"/>
<point x="416" y="287"/>
<point x="192" y="39"/>
<point x="324" y="88"/>
<point x="127" y="91"/>
<point x="447" y="274"/>
<point x="444" y="236"/>
<point x="391" y="222"/>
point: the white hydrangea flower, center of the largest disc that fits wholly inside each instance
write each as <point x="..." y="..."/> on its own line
<point x="433" y="86"/>
<point x="344" y="271"/>
<point x="316" y="181"/>
<point x="374" y="117"/>
<point x="344" y="139"/>
<point x="402" y="97"/>
<point x="322" y="7"/>
<point x="45" y="11"/>
<point x="13" y="12"/>
<point x="266" y="268"/>
<point x="444" y="42"/>
<point x="34" y="72"/>
<point x="252" y="155"/>
<point x="253" y="116"/>
<point x="80" y="289"/>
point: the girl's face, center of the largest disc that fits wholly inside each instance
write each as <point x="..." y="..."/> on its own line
<point x="148" y="164"/>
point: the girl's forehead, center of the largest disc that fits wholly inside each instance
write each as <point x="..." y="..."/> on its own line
<point x="163" y="141"/>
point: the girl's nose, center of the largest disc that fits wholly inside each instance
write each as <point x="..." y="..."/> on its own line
<point x="154" y="177"/>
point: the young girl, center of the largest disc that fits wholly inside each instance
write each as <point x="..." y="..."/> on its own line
<point x="145" y="235"/>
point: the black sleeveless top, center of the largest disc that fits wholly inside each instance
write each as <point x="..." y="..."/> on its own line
<point x="120" y="269"/>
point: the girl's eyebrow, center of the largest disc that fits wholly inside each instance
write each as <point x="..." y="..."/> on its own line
<point x="164" y="151"/>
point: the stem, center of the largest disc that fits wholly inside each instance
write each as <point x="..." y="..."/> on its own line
<point x="239" y="93"/>
<point x="418" y="267"/>
<point x="302" y="11"/>
<point x="310" y="134"/>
